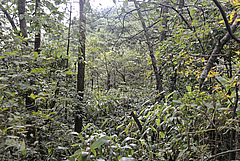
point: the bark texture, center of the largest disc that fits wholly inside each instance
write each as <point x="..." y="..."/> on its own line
<point x="81" y="66"/>
<point x="22" y="20"/>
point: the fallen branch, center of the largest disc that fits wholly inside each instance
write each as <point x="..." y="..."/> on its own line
<point x="222" y="153"/>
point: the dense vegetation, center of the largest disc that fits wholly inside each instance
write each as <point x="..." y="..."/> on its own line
<point x="148" y="80"/>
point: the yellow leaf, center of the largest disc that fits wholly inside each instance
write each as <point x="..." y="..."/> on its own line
<point x="232" y="15"/>
<point x="237" y="20"/>
<point x="203" y="59"/>
<point x="221" y="21"/>
<point x="32" y="96"/>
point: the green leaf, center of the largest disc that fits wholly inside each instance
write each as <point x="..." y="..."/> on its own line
<point x="170" y="94"/>
<point x="153" y="128"/>
<point x="23" y="148"/>
<point x="38" y="70"/>
<point x="119" y="126"/>
<point x="221" y="79"/>
<point x="98" y="143"/>
<point x="209" y="105"/>
<point x="157" y="122"/>
<point x="89" y="124"/>
<point x="189" y="89"/>
<point x="162" y="135"/>
<point x="192" y="12"/>
<point x="94" y="152"/>
<point x="69" y="73"/>
<point x="104" y="122"/>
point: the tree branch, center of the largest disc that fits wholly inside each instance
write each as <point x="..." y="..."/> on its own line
<point x="9" y="18"/>
<point x="222" y="153"/>
<point x="217" y="50"/>
<point x="226" y="21"/>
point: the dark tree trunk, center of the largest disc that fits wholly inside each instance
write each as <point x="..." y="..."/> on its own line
<point x="22" y="20"/>
<point x="69" y="31"/>
<point x="81" y="66"/>
<point x="9" y="18"/>
<point x="37" y="41"/>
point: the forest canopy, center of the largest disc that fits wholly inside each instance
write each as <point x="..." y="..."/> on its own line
<point x="142" y="80"/>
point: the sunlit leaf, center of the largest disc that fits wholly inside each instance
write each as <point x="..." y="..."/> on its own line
<point x="98" y="143"/>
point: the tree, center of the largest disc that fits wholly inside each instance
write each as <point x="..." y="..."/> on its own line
<point x="157" y="74"/>
<point x="81" y="62"/>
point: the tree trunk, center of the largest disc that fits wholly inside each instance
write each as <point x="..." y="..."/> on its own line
<point x="159" y="87"/>
<point x="37" y="41"/>
<point x="22" y="20"/>
<point x="81" y="66"/>
<point x="69" y="31"/>
<point x="9" y="18"/>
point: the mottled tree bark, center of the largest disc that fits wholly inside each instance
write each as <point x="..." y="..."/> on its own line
<point x="81" y="66"/>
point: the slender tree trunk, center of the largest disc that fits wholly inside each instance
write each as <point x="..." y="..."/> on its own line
<point x="37" y="41"/>
<point x="68" y="46"/>
<point x="159" y="87"/>
<point x="69" y="31"/>
<point x="164" y="23"/>
<point x="22" y="20"/>
<point x="237" y="132"/>
<point x="29" y="101"/>
<point x="81" y="65"/>
<point x="9" y="18"/>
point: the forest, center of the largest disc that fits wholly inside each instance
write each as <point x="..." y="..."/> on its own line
<point x="147" y="80"/>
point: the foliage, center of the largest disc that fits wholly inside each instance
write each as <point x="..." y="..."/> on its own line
<point x="122" y="116"/>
